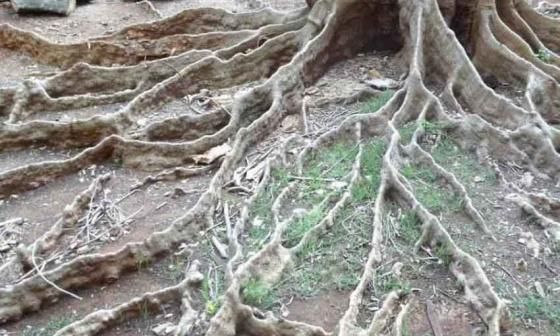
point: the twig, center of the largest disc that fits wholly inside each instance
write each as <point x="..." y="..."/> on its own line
<point x="229" y="228"/>
<point x="548" y="267"/>
<point x="239" y="188"/>
<point x="40" y="273"/>
<point x="450" y="296"/>
<point x="304" y="178"/>
<point x="432" y="318"/>
<point x="151" y="6"/>
<point x="509" y="274"/>
<point x="126" y="196"/>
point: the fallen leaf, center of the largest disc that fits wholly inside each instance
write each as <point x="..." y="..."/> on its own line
<point x="212" y="154"/>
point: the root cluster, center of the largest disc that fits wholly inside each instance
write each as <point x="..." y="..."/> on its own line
<point x="450" y="52"/>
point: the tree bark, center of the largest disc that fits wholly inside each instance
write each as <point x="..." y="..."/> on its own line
<point x="444" y="46"/>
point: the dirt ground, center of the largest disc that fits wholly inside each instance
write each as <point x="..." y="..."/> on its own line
<point x="508" y="257"/>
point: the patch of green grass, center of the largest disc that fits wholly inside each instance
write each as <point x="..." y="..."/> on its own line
<point x="409" y="229"/>
<point x="346" y="280"/>
<point x="211" y="294"/>
<point x="405" y="329"/>
<point x="419" y="173"/>
<point x="389" y="283"/>
<point x="145" y="311"/>
<point x="435" y="197"/>
<point x="333" y="262"/>
<point x="444" y="254"/>
<point x="175" y="269"/>
<point x="375" y="104"/>
<point x="261" y="208"/>
<point x="464" y="166"/>
<point x="430" y="128"/>
<point x="307" y="281"/>
<point x="300" y="226"/>
<point x="448" y="154"/>
<point x="333" y="162"/>
<point x="142" y="262"/>
<point x="258" y="294"/>
<point x="434" y="128"/>
<point x="533" y="307"/>
<point x="50" y="329"/>
<point x="544" y="56"/>
<point x="406" y="132"/>
<point x="372" y="160"/>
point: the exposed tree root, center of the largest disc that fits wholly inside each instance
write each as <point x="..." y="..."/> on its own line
<point x="70" y="217"/>
<point x="279" y="54"/>
<point x="100" y="320"/>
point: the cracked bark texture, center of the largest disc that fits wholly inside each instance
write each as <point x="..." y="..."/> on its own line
<point x="452" y="44"/>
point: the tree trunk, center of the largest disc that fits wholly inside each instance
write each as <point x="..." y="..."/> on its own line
<point x="446" y="48"/>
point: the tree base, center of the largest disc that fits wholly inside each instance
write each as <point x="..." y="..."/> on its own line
<point x="281" y="55"/>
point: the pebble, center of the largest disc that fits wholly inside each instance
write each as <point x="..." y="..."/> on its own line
<point x="521" y="265"/>
<point x="164" y="329"/>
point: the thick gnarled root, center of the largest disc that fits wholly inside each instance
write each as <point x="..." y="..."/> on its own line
<point x="280" y="54"/>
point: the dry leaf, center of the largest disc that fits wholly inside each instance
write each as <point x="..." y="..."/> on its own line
<point x="212" y="154"/>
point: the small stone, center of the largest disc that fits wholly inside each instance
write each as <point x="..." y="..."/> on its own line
<point x="397" y="268"/>
<point x="382" y="84"/>
<point x="540" y="290"/>
<point x="299" y="212"/>
<point x="312" y="91"/>
<point x="257" y="222"/>
<point x="284" y="311"/>
<point x="373" y="73"/>
<point x="83" y="250"/>
<point x="521" y="265"/>
<point x="164" y="329"/>
<point x="527" y="179"/>
<point x="5" y="248"/>
<point x="142" y="122"/>
<point x="290" y="123"/>
<point x="337" y="185"/>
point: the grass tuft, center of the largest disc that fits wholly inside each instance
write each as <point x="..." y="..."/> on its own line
<point x="435" y="197"/>
<point x="212" y="301"/>
<point x="535" y="308"/>
<point x="50" y="329"/>
<point x="372" y="160"/>
<point x="409" y="229"/>
<point x="258" y="294"/>
<point x="375" y="104"/>
<point x="389" y="283"/>
<point x="544" y="56"/>
<point x="444" y="254"/>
